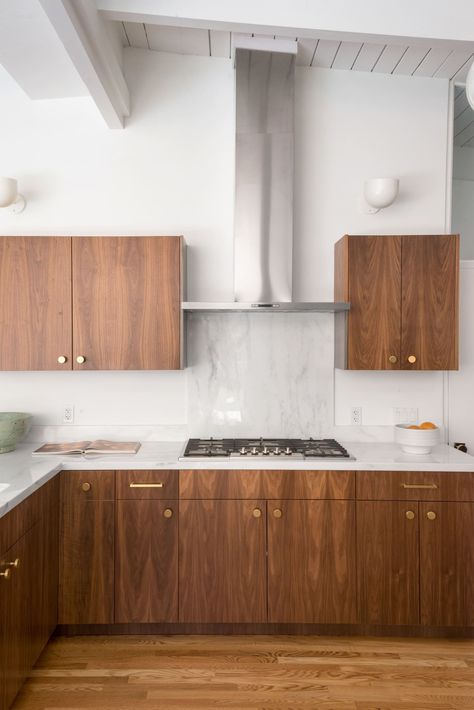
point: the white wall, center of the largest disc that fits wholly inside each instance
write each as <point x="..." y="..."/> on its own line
<point x="171" y="171"/>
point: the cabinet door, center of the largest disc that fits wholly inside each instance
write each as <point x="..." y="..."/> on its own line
<point x="127" y="303"/>
<point x="222" y="561"/>
<point x="311" y="562"/>
<point x="447" y="564"/>
<point x="146" y="561"/>
<point x="388" y="562"/>
<point x="86" y="569"/>
<point x="35" y="303"/>
<point x="20" y="597"/>
<point x="374" y="290"/>
<point x="430" y="274"/>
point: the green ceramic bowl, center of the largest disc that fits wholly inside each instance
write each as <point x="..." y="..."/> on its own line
<point x="13" y="427"/>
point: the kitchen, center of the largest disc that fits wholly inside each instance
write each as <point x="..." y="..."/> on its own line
<point x="171" y="171"/>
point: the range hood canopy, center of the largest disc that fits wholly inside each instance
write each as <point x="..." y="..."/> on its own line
<point x="264" y="176"/>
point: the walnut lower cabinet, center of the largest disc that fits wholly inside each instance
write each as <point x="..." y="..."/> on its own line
<point x="28" y="586"/>
<point x="311" y="561"/>
<point x="415" y="555"/>
<point x="222" y="561"/>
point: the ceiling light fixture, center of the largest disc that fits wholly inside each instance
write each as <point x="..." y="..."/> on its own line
<point x="379" y="193"/>
<point x="10" y="197"/>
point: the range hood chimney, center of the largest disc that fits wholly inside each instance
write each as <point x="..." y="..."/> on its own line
<point x="264" y="159"/>
<point x="264" y="175"/>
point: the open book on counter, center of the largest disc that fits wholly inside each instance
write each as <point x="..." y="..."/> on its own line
<point x="99" y="446"/>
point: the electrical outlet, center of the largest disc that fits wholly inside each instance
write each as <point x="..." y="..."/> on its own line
<point x="68" y="414"/>
<point x="356" y="416"/>
<point x="405" y="415"/>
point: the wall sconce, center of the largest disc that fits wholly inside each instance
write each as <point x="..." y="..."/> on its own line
<point x="10" y="197"/>
<point x="470" y="86"/>
<point x="379" y="193"/>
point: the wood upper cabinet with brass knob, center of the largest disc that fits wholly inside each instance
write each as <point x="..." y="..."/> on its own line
<point x="403" y="292"/>
<point x="97" y="291"/>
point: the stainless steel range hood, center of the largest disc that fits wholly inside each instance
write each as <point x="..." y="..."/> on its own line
<point x="264" y="176"/>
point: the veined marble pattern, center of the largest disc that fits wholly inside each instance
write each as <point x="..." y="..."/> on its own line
<point x="260" y="374"/>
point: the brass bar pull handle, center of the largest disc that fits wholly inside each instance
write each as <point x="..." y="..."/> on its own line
<point x="15" y="563"/>
<point x="430" y="486"/>
<point x="146" y="485"/>
<point x="6" y="574"/>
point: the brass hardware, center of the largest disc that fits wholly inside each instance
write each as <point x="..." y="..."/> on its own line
<point x="257" y="513"/>
<point x="393" y="359"/>
<point x="62" y="359"/>
<point x="409" y="515"/>
<point x="431" y="515"/>
<point x="80" y="359"/>
<point x="6" y="574"/>
<point x="86" y="486"/>
<point x="430" y="486"/>
<point x="412" y="359"/>
<point x="146" y="485"/>
<point x="15" y="563"/>
<point x="277" y="513"/>
<point x="167" y="513"/>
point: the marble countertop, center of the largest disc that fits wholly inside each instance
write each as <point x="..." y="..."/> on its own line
<point x="21" y="473"/>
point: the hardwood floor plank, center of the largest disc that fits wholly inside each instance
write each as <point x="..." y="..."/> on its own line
<point x="255" y="672"/>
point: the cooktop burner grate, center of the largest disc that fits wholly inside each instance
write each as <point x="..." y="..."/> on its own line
<point x="271" y="448"/>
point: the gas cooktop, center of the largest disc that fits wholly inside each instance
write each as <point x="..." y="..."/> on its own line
<point x="198" y="449"/>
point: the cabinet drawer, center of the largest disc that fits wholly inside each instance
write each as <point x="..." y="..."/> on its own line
<point x="22" y="517"/>
<point x="87" y="485"/>
<point x="250" y="484"/>
<point x="412" y="485"/>
<point x="147" y="485"/>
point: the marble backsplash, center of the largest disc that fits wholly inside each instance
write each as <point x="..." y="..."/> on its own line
<point x="260" y="374"/>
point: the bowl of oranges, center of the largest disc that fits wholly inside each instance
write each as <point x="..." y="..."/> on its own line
<point x="417" y="438"/>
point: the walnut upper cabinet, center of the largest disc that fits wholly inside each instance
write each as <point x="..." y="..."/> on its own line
<point x="91" y="303"/>
<point x="35" y="303"/>
<point x="403" y="292"/>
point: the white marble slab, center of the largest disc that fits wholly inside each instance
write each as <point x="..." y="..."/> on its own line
<point x="21" y="473"/>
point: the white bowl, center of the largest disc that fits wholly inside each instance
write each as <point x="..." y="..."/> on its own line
<point x="416" y="441"/>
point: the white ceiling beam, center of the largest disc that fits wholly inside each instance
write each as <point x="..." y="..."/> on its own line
<point x="414" y="21"/>
<point x="84" y="35"/>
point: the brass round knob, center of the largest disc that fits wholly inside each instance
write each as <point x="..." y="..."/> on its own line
<point x="409" y="514"/>
<point x="412" y="359"/>
<point x="167" y="513"/>
<point x="80" y="359"/>
<point x="15" y="563"/>
<point x="393" y="359"/>
<point x="86" y="486"/>
<point x="62" y="359"/>
<point x="277" y="513"/>
<point x="257" y="513"/>
<point x="431" y="515"/>
<point x="6" y="574"/>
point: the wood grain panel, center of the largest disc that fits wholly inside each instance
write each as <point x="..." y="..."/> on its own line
<point x="127" y="302"/>
<point x="222" y="561"/>
<point x="20" y="519"/>
<point x="430" y="287"/>
<point x="388" y="563"/>
<point x="86" y="569"/>
<point x="375" y="294"/>
<point x="235" y="484"/>
<point x="126" y="480"/>
<point x="102" y="486"/>
<point x="424" y="485"/>
<point x="146" y="562"/>
<point x="35" y="298"/>
<point x="447" y="564"/>
<point x="311" y="562"/>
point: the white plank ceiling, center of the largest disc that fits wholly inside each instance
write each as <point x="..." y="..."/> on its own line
<point x="436" y="62"/>
<point x="386" y="59"/>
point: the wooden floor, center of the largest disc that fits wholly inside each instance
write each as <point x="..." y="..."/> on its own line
<point x="266" y="672"/>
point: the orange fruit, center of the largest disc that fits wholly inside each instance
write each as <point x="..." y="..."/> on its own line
<point x="428" y="425"/>
<point x="414" y="426"/>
